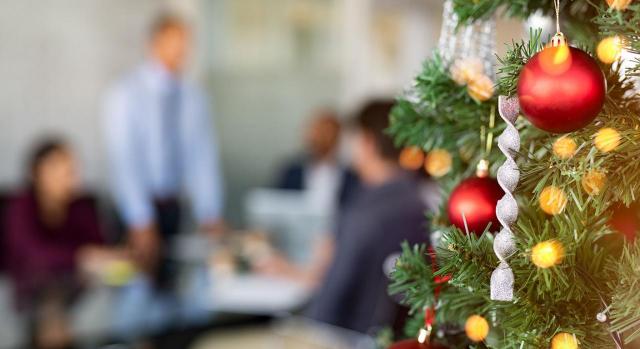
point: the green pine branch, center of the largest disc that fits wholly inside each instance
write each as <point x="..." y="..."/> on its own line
<point x="413" y="278"/>
<point x="518" y="54"/>
<point x="597" y="264"/>
<point x="625" y="303"/>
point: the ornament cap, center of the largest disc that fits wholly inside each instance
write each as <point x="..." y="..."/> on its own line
<point x="558" y="40"/>
<point x="482" y="170"/>
<point x="424" y="335"/>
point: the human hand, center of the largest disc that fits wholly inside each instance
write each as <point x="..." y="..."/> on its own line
<point x="145" y="244"/>
<point x="214" y="229"/>
<point x="274" y="265"/>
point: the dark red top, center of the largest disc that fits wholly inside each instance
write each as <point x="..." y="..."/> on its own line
<point x="37" y="254"/>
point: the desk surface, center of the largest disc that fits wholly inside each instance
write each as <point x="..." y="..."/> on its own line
<point x="256" y="294"/>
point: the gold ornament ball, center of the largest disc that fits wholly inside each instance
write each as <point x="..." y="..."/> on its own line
<point x="619" y="5"/>
<point x="593" y="182"/>
<point x="481" y="88"/>
<point x="609" y="49"/>
<point x="411" y="158"/>
<point x="607" y="139"/>
<point x="477" y="328"/>
<point x="546" y="254"/>
<point x="565" y="147"/>
<point x="564" y="341"/>
<point x="552" y="200"/>
<point x="438" y="163"/>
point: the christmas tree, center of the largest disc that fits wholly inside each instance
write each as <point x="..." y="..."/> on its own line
<point x="558" y="265"/>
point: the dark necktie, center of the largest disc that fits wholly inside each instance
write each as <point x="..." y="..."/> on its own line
<point x="171" y="135"/>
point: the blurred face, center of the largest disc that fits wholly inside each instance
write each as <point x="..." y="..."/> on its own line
<point x="364" y="153"/>
<point x="56" y="178"/>
<point x="171" y="47"/>
<point x="322" y="137"/>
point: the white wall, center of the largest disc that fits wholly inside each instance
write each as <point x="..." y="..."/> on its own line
<point x="56" y="57"/>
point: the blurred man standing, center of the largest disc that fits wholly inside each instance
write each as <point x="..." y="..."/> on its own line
<point x="161" y="145"/>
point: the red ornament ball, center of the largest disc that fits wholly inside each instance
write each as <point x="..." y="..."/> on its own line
<point x="561" y="89"/>
<point x="626" y="221"/>
<point x="414" y="344"/>
<point x="476" y="199"/>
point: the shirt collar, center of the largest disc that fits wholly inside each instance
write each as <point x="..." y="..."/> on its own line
<point x="158" y="77"/>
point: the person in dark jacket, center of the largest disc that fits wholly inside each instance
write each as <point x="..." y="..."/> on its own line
<point x="318" y="170"/>
<point x="386" y="211"/>
<point x="49" y="229"/>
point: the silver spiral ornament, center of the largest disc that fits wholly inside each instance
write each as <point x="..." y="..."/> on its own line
<point x="476" y="40"/>
<point x="504" y="245"/>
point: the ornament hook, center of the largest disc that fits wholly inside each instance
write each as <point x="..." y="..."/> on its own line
<point x="558" y="39"/>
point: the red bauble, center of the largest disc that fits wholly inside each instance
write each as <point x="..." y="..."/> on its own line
<point x="626" y="221"/>
<point x="414" y="344"/>
<point x="476" y="198"/>
<point x="561" y="89"/>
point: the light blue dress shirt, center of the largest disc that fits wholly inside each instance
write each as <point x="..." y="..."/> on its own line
<point x="149" y="161"/>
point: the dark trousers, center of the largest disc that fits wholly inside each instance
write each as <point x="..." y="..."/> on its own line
<point x="167" y="214"/>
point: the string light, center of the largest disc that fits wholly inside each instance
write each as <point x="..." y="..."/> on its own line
<point x="547" y="254"/>
<point x="411" y="158"/>
<point x="565" y="147"/>
<point x="619" y="5"/>
<point x="481" y="88"/>
<point x="564" y="341"/>
<point x="438" y="163"/>
<point x="593" y="182"/>
<point x="609" y="49"/>
<point x="476" y="328"/>
<point x="552" y="200"/>
<point x="607" y="139"/>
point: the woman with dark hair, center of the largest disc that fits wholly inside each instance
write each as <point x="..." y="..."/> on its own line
<point x="49" y="229"/>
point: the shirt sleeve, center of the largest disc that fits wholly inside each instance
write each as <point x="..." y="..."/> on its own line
<point x="203" y="176"/>
<point x="128" y="184"/>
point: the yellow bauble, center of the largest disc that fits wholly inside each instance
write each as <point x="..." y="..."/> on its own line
<point x="564" y="341"/>
<point x="438" y="163"/>
<point x="609" y="49"/>
<point x="565" y="147"/>
<point x="593" y="182"/>
<point x="546" y="254"/>
<point x="619" y="5"/>
<point x="477" y="328"/>
<point x="411" y="158"/>
<point x="607" y="139"/>
<point x="552" y="200"/>
<point x="481" y="88"/>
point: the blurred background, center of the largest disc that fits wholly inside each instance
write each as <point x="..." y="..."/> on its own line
<point x="267" y="69"/>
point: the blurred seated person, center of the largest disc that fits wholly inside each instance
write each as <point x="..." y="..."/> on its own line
<point x="386" y="211"/>
<point x="51" y="232"/>
<point x="318" y="170"/>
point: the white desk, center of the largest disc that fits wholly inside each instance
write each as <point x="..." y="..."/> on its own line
<point x="256" y="295"/>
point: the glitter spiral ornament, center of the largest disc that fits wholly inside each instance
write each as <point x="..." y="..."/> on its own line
<point x="504" y="245"/>
<point x="475" y="40"/>
<point x="469" y="44"/>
